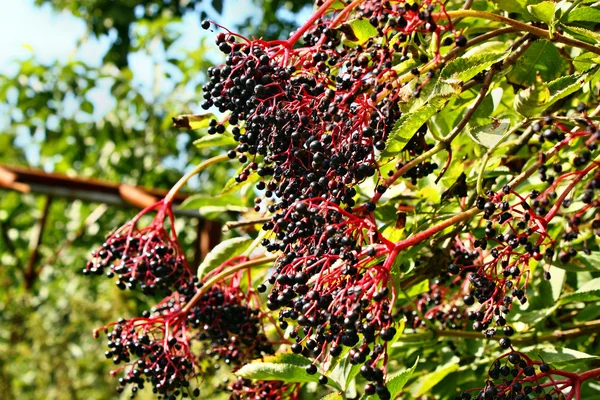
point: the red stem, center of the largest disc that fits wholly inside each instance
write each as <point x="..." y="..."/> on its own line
<point x="318" y="14"/>
<point x="427" y="233"/>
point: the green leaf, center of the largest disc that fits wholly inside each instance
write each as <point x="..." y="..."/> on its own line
<point x="588" y="292"/>
<point x="425" y="383"/>
<point x="202" y="200"/>
<point x="543" y="11"/>
<point x="358" y="30"/>
<point x="192" y="121"/>
<point x="405" y="128"/>
<point x="344" y="371"/>
<point x="584" y="14"/>
<point x="233" y="186"/>
<point x="514" y="6"/>
<point x="585" y="61"/>
<point x="559" y="357"/>
<point x="535" y="99"/>
<point x="282" y="367"/>
<point x="581" y="33"/>
<point x="226" y="250"/>
<point x="534" y="317"/>
<point x="543" y="57"/>
<point x="87" y="107"/>
<point x="398" y="380"/>
<point x="214" y="141"/>
<point x="465" y="68"/>
<point x="416" y="289"/>
<point x="582" y="263"/>
<point x="489" y="135"/>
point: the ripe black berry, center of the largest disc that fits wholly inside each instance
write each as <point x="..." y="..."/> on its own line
<point x="311" y="369"/>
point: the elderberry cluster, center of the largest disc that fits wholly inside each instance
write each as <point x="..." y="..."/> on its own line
<point x="221" y="322"/>
<point x="515" y="376"/>
<point x="329" y="284"/>
<point x="143" y="258"/>
<point x="147" y="258"/>
<point x="230" y="325"/>
<point x="167" y="367"/>
<point x="313" y="139"/>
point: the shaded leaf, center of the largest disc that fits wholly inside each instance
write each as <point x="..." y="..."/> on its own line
<point x="424" y="384"/>
<point x="559" y="357"/>
<point x="489" y="135"/>
<point x="588" y="292"/>
<point x="405" y="128"/>
<point x="543" y="57"/>
<point x="535" y="99"/>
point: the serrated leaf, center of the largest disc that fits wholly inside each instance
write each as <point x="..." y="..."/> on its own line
<point x="358" y="30"/>
<point x="535" y="99"/>
<point x="541" y="57"/>
<point x="558" y="357"/>
<point x="464" y="68"/>
<point x="585" y="61"/>
<point x="226" y="250"/>
<point x="405" y="128"/>
<point x="192" y="121"/>
<point x="397" y="381"/>
<point x="489" y="135"/>
<point x="581" y="33"/>
<point x="214" y="141"/>
<point x="584" y="14"/>
<point x="281" y="367"/>
<point x="543" y="11"/>
<point x="588" y="292"/>
<point x="424" y="384"/>
<point x="409" y="123"/>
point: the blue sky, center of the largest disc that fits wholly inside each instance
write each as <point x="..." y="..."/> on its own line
<point x="49" y="35"/>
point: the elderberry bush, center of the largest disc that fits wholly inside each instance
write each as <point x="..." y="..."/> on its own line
<point x="420" y="182"/>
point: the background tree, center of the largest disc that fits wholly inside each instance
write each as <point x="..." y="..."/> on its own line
<point x="54" y="121"/>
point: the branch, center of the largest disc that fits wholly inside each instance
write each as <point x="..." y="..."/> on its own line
<point x="522" y="339"/>
<point x="224" y="275"/>
<point x="543" y="33"/>
<point x="36" y="241"/>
